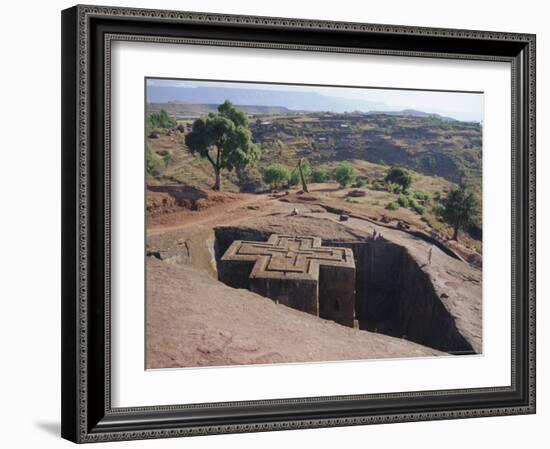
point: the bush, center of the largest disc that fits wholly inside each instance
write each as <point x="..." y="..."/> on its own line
<point x="420" y="195"/>
<point x="294" y="178"/>
<point x="319" y="175"/>
<point x="392" y="206"/>
<point x="403" y="200"/>
<point x="395" y="188"/>
<point x="344" y="174"/>
<point x="437" y="195"/>
<point x="295" y="175"/>
<point x="161" y="120"/>
<point x="360" y="183"/>
<point x="376" y="186"/>
<point x="276" y="175"/>
<point x="399" y="175"/>
<point x="416" y="207"/>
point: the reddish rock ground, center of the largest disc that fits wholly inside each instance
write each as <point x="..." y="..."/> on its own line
<point x="193" y="320"/>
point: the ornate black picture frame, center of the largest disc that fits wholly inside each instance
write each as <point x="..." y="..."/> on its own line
<point x="87" y="34"/>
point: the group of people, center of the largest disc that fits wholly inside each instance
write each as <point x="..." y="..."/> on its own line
<point x="376" y="235"/>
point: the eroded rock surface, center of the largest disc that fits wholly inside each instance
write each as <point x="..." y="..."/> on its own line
<point x="194" y="320"/>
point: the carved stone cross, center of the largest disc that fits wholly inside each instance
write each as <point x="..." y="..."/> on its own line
<point x="295" y="271"/>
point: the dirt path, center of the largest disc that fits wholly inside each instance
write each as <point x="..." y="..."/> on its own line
<point x="222" y="213"/>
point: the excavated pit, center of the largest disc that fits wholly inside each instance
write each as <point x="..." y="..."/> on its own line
<point x="393" y="295"/>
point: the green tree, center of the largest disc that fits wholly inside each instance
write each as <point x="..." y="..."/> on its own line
<point x="276" y="175"/>
<point x="319" y="175"/>
<point x="399" y="176"/>
<point x="344" y="174"/>
<point x="160" y="120"/>
<point x="460" y="208"/>
<point x="223" y="138"/>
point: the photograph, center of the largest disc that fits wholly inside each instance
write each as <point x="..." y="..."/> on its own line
<point x="279" y="222"/>
<point x="300" y="223"/>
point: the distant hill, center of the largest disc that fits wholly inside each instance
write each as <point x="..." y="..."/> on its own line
<point x="293" y="100"/>
<point x="186" y="110"/>
<point x="413" y="113"/>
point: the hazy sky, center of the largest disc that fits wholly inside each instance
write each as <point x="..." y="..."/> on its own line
<point x="458" y="105"/>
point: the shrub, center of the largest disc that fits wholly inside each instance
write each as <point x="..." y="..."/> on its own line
<point x="161" y="120"/>
<point x="416" y="207"/>
<point x="319" y="175"/>
<point x="344" y="174"/>
<point x="376" y="186"/>
<point x="295" y="175"/>
<point x="360" y="183"/>
<point x="403" y="200"/>
<point x="437" y="195"/>
<point x="276" y="175"/>
<point x="420" y="195"/>
<point x="392" y="206"/>
<point x="395" y="188"/>
<point x="294" y="178"/>
<point x="399" y="175"/>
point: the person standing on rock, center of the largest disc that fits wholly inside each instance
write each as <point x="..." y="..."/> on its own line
<point x="430" y="255"/>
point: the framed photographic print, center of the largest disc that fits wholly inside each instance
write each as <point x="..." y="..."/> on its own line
<point x="276" y="224"/>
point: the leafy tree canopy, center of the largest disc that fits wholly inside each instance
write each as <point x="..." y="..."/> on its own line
<point x="344" y="174"/>
<point x="400" y="176"/>
<point x="160" y="119"/>
<point x="223" y="138"/>
<point x="276" y="175"/>
<point x="460" y="208"/>
<point x="319" y="175"/>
